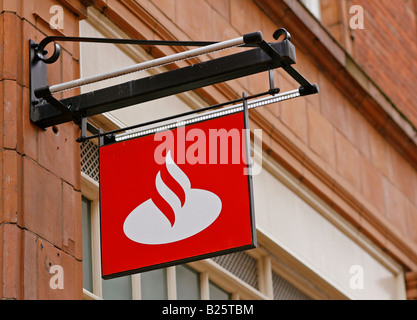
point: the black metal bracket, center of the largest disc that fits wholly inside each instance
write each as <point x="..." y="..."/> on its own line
<point x="46" y="110"/>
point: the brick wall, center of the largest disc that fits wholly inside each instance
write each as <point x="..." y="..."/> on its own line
<point x="40" y="199"/>
<point x="411" y="285"/>
<point x="324" y="140"/>
<point x="386" y="48"/>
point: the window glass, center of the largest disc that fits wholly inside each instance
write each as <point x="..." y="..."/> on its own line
<point x="217" y="293"/>
<point x="87" y="256"/>
<point x="154" y="285"/>
<point x="188" y="283"/>
<point x="118" y="288"/>
<point x="314" y="7"/>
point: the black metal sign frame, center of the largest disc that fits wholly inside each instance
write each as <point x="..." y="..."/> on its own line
<point x="46" y="110"/>
<point x="191" y="258"/>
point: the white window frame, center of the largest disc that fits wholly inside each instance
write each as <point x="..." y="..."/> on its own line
<point x="314" y="6"/>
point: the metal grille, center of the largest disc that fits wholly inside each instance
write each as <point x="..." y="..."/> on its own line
<point x="283" y="290"/>
<point x="241" y="265"/>
<point x="89" y="160"/>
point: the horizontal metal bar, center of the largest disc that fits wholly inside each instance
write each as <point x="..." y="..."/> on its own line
<point x="170" y="43"/>
<point x="165" y="84"/>
<point x="149" y="64"/>
<point x="47" y="40"/>
<point x="188" y="113"/>
<point x="186" y="119"/>
<point x="41" y="52"/>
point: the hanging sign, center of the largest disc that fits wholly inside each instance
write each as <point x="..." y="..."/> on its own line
<point x="174" y="196"/>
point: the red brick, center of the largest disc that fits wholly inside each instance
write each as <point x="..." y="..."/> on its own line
<point x="72" y="224"/>
<point x="77" y="7"/>
<point x="402" y="174"/>
<point x="31" y="193"/>
<point x="347" y="160"/>
<point x="29" y="33"/>
<point x="333" y="104"/>
<point x="11" y="261"/>
<point x="29" y="130"/>
<point x="321" y="136"/>
<point x="372" y="185"/>
<point x="69" y="67"/>
<point x="1" y="256"/>
<point x="222" y="30"/>
<point x="357" y="130"/>
<point x="8" y="5"/>
<point x="222" y="7"/>
<point x="410" y="277"/>
<point x="10" y="39"/>
<point x="1" y="113"/>
<point x="42" y="207"/>
<point x="12" y="100"/>
<point x="30" y="286"/>
<point x="309" y="70"/>
<point x="395" y="207"/>
<point x="245" y="16"/>
<point x="41" y="13"/>
<point x="294" y="115"/>
<point x="167" y="7"/>
<point x="1" y="186"/>
<point x="191" y="18"/>
<point x="411" y="221"/>
<point x="49" y="256"/>
<point x="285" y="82"/>
<point x="330" y="12"/>
<point x="391" y="33"/>
<point x="54" y="74"/>
<point x="59" y="152"/>
<point x="377" y="236"/>
<point x="2" y="47"/>
<point x="379" y="155"/>
<point x="11" y="185"/>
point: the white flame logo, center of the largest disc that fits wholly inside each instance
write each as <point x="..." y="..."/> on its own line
<point x="195" y="212"/>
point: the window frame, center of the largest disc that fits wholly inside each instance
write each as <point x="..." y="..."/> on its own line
<point x="314" y="7"/>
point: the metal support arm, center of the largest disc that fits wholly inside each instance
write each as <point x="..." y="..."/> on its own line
<point x="48" y="111"/>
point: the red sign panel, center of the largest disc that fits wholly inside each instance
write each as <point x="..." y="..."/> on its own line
<point x="175" y="196"/>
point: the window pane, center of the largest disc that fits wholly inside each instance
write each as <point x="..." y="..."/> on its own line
<point x="154" y="285"/>
<point x="314" y="7"/>
<point x="188" y="283"/>
<point x="118" y="288"/>
<point x="87" y="256"/>
<point x="217" y="293"/>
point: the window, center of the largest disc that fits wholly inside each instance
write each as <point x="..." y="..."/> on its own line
<point x="154" y="285"/>
<point x="188" y="283"/>
<point x="313" y="6"/>
<point x="118" y="288"/>
<point x="87" y="255"/>
<point x="217" y="293"/>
